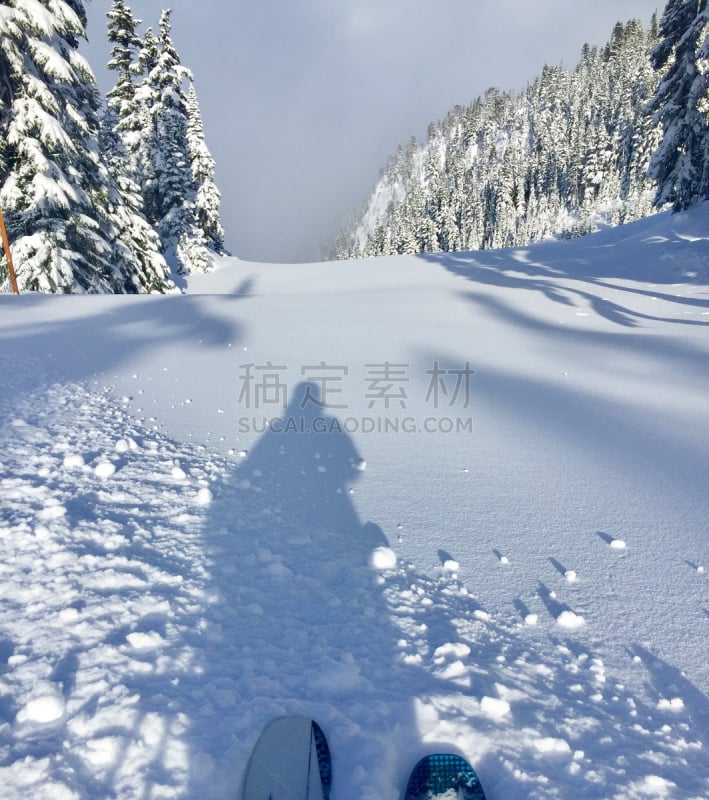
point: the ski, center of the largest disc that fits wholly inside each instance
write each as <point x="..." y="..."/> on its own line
<point x="291" y="761"/>
<point x="444" y="777"/>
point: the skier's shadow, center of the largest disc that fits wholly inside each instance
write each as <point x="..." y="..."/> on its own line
<point x="298" y="622"/>
<point x="305" y="464"/>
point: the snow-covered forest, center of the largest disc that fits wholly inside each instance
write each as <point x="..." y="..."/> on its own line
<point x="115" y="196"/>
<point x="605" y="143"/>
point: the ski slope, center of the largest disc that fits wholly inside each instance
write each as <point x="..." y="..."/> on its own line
<point x="480" y="523"/>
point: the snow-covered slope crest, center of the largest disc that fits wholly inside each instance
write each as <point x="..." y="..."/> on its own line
<point x="180" y="565"/>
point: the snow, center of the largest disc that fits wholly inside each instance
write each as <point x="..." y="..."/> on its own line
<point x="43" y="710"/>
<point x="180" y="563"/>
<point x="105" y="469"/>
<point x="549" y="745"/>
<point x="494" y="707"/>
<point x="570" y="619"/>
<point x="383" y="558"/>
<point x="204" y="496"/>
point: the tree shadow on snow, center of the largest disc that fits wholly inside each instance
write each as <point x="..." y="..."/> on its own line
<point x="580" y="274"/>
<point x="71" y="346"/>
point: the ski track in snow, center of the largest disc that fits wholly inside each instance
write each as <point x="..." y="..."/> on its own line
<point x="156" y="614"/>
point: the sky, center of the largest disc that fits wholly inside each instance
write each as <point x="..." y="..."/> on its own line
<point x="304" y="101"/>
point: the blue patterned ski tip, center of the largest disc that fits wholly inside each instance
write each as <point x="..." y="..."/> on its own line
<point x="444" y="776"/>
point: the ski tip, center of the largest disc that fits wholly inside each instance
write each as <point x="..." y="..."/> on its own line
<point x="443" y="776"/>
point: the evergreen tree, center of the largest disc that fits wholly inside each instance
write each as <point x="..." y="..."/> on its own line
<point x="207" y="198"/>
<point x="163" y="153"/>
<point x="680" y="165"/>
<point x="121" y="135"/>
<point x="169" y="113"/>
<point x="60" y="204"/>
<point x="140" y="131"/>
<point x="136" y="239"/>
<point x="6" y="25"/>
<point x="127" y="113"/>
<point x="126" y="46"/>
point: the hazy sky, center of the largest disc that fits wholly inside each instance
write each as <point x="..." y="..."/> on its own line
<point x="305" y="100"/>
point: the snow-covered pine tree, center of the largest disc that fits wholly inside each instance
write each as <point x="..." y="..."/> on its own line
<point x="121" y="133"/>
<point x="139" y="129"/>
<point x="681" y="163"/>
<point x="6" y="25"/>
<point x="51" y="178"/>
<point x="208" y="197"/>
<point x="169" y="188"/>
<point x="56" y="192"/>
<point x="121" y="100"/>
<point x="136" y="240"/>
